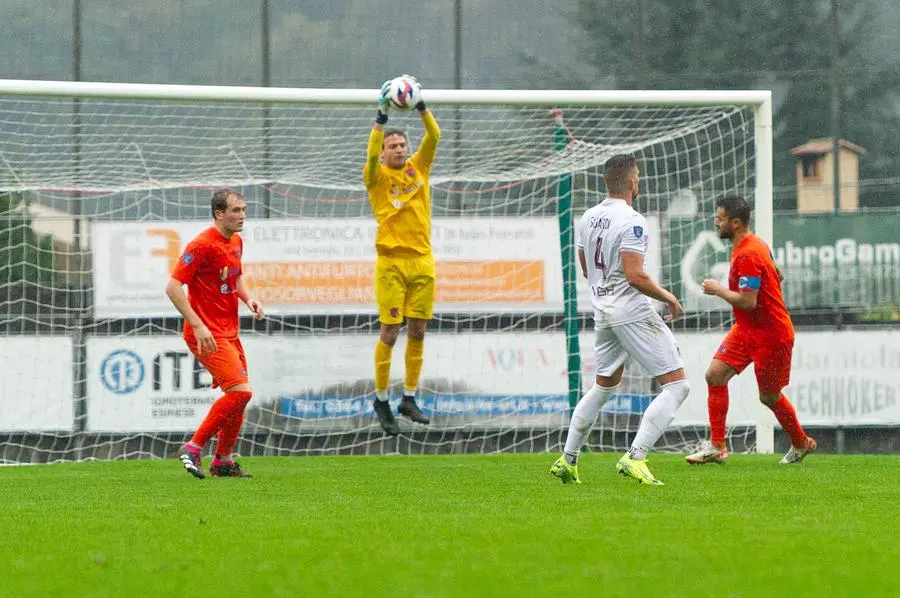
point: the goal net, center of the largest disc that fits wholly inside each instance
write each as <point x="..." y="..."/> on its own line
<point x="102" y="185"/>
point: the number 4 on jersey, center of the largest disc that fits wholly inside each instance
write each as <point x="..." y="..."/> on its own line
<point x="598" y="257"/>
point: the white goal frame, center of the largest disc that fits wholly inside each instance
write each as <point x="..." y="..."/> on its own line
<point x="760" y="101"/>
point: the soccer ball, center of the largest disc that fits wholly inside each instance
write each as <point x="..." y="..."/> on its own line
<point x="405" y="92"/>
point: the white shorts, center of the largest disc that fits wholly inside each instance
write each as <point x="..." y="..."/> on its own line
<point x="649" y="342"/>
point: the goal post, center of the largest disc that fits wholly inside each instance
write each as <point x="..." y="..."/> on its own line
<point x="99" y="369"/>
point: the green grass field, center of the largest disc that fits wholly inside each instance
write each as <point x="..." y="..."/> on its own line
<point x="463" y="525"/>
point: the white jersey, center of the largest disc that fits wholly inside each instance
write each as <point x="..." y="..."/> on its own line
<point x="603" y="232"/>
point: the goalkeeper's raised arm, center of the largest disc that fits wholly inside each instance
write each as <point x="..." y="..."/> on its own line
<point x="424" y="155"/>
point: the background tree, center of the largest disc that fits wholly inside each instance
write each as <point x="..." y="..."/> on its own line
<point x="24" y="256"/>
<point x="702" y="44"/>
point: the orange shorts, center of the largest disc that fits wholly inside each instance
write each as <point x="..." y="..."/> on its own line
<point x="228" y="365"/>
<point x="771" y="361"/>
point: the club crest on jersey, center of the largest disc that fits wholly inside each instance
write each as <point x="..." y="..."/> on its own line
<point x="410" y="172"/>
<point x="186" y="259"/>
<point x="395" y="312"/>
<point x="638" y="231"/>
<point x="397" y="204"/>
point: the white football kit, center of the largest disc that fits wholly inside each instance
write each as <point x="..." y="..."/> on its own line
<point x="625" y="322"/>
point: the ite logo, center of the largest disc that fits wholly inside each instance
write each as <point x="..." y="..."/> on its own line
<point x="122" y="372"/>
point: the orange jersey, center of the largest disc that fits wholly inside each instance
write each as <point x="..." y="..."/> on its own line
<point x="210" y="267"/>
<point x="753" y="269"/>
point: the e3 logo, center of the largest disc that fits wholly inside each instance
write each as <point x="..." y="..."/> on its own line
<point x="171" y="249"/>
<point x="134" y="257"/>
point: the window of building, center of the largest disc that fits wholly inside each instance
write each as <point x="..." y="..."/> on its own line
<point x="811" y="166"/>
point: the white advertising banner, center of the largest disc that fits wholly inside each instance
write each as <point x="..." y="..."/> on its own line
<point x="153" y="383"/>
<point x="327" y="265"/>
<point x="845" y="378"/>
<point x="36" y="392"/>
<point x="145" y="384"/>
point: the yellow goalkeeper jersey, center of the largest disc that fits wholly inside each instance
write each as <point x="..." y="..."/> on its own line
<point x="401" y="198"/>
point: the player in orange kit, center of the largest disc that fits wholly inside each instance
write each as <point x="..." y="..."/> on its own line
<point x="211" y="268"/>
<point x="762" y="334"/>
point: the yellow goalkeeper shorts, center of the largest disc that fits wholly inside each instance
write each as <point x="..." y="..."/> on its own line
<point x="404" y="286"/>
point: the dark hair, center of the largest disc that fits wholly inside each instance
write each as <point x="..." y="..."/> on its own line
<point x="219" y="201"/>
<point x="617" y="172"/>
<point x="735" y="207"/>
<point x="392" y="132"/>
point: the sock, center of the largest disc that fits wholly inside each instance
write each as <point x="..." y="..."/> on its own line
<point x="657" y="417"/>
<point x="382" y="369"/>
<point x="193" y="447"/>
<point x="583" y="417"/>
<point x="415" y="347"/>
<point x="717" y="404"/>
<point x="223" y="460"/>
<point x="218" y="415"/>
<point x="229" y="431"/>
<point x="787" y="417"/>
<point x="228" y="435"/>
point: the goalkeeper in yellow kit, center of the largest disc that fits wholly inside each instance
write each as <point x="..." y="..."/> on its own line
<point x="399" y="193"/>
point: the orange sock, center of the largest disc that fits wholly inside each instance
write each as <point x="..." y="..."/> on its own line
<point x="787" y="417"/>
<point x="717" y="405"/>
<point x="228" y="436"/>
<point x="218" y="415"/>
<point x="230" y="430"/>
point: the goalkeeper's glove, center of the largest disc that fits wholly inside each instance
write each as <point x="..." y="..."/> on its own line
<point x="420" y="105"/>
<point x="384" y="103"/>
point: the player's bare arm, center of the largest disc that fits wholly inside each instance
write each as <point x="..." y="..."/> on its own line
<point x="243" y="293"/>
<point x="583" y="261"/>
<point x="205" y="339"/>
<point x="744" y="299"/>
<point x="637" y="277"/>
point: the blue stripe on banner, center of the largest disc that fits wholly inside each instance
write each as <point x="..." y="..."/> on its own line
<point x="317" y="407"/>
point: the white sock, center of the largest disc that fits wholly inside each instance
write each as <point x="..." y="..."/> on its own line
<point x="657" y="417"/>
<point x="583" y="418"/>
<point x="381" y="395"/>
